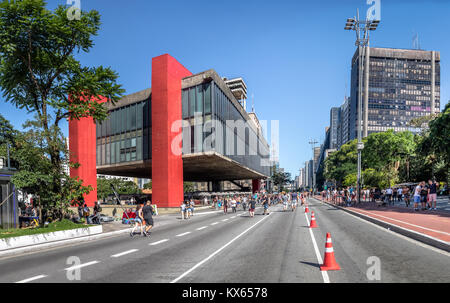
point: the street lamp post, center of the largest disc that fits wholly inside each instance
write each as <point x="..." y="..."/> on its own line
<point x="362" y="29"/>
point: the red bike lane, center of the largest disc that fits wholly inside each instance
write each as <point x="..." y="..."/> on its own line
<point x="435" y="224"/>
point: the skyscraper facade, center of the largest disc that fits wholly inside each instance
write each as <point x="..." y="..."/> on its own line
<point x="335" y="114"/>
<point x="403" y="85"/>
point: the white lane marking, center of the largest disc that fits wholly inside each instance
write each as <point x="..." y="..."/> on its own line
<point x="124" y="253"/>
<point x="418" y="243"/>
<point x="421" y="227"/>
<point x="200" y="228"/>
<point x="214" y="223"/>
<point x="183" y="234"/>
<point x="159" y="242"/>
<point x="216" y="252"/>
<point x="225" y="220"/>
<point x="32" y="279"/>
<point x="81" y="265"/>
<point x="234" y="217"/>
<point x="325" y="277"/>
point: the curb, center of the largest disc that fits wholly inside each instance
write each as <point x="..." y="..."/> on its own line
<point x="395" y="228"/>
<point x="39" y="247"/>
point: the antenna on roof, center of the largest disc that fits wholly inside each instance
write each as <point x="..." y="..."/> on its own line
<point x="415" y="42"/>
<point x="253" y="103"/>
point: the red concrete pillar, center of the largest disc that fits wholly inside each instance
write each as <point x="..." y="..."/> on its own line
<point x="167" y="167"/>
<point x="82" y="146"/>
<point x="256" y="185"/>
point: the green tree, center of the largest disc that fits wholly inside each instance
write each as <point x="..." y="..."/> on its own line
<point x="36" y="173"/>
<point x="188" y="187"/>
<point x="148" y="185"/>
<point x="40" y="74"/>
<point x="434" y="148"/>
<point x="281" y="178"/>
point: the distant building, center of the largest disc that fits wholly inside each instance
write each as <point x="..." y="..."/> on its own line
<point x="335" y="115"/>
<point x="239" y="89"/>
<point x="403" y="84"/>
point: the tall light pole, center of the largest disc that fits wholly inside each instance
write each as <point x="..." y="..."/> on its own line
<point x="362" y="29"/>
<point x="313" y="144"/>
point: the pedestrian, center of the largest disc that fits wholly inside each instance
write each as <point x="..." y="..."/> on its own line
<point x="225" y="206"/>
<point x="399" y="194"/>
<point x="192" y="205"/>
<point x="147" y="213"/>
<point x="405" y="192"/>
<point x="417" y="198"/>
<point x="86" y="214"/>
<point x="252" y="206"/>
<point x="432" y="194"/>
<point x="424" y="195"/>
<point x="138" y="220"/>
<point x="183" y="210"/>
<point x="233" y="205"/>
<point x="389" y="195"/>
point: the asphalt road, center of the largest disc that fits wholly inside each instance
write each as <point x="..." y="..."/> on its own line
<point x="236" y="248"/>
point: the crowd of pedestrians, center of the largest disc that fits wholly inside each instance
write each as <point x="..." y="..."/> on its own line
<point x="424" y="195"/>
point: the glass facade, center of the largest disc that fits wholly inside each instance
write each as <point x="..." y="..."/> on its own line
<point x="222" y="127"/>
<point x="125" y="135"/>
<point x="399" y="89"/>
<point x="212" y="123"/>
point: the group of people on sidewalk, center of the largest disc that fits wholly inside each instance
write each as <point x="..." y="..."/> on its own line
<point x="423" y="193"/>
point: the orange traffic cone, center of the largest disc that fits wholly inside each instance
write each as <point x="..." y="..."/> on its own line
<point x="329" y="260"/>
<point x="306" y="208"/>
<point x="313" y="221"/>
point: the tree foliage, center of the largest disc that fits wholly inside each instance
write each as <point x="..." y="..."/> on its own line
<point x="40" y="74"/>
<point x="122" y="187"/>
<point x="389" y="158"/>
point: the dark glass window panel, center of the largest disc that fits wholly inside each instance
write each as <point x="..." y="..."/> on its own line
<point x="139" y="115"/>
<point x="133" y="117"/>
<point x="123" y="114"/>
<point x="191" y="101"/>
<point x="207" y="98"/>
<point x="199" y="99"/>
<point x="99" y="155"/>
<point x="113" y="152"/>
<point x="139" y="148"/>
<point x="128" y="114"/>
<point x="185" y="103"/>
<point x="108" y="153"/>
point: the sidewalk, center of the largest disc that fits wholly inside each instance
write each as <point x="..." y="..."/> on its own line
<point x="431" y="227"/>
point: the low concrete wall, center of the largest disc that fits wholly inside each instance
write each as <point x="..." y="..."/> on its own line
<point x="23" y="241"/>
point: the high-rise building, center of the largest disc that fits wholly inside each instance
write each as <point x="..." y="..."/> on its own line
<point x="403" y="84"/>
<point x="335" y="114"/>
<point x="344" y="121"/>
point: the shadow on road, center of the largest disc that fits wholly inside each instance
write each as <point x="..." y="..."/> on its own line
<point x="310" y="263"/>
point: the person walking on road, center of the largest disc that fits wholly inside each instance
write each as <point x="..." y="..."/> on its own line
<point x="252" y="206"/>
<point x="233" y="205"/>
<point x="266" y="205"/>
<point x="225" y="206"/>
<point x="138" y="220"/>
<point x="191" y="206"/>
<point x="147" y="212"/>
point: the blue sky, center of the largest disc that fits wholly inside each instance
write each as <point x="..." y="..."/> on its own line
<point x="294" y="55"/>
